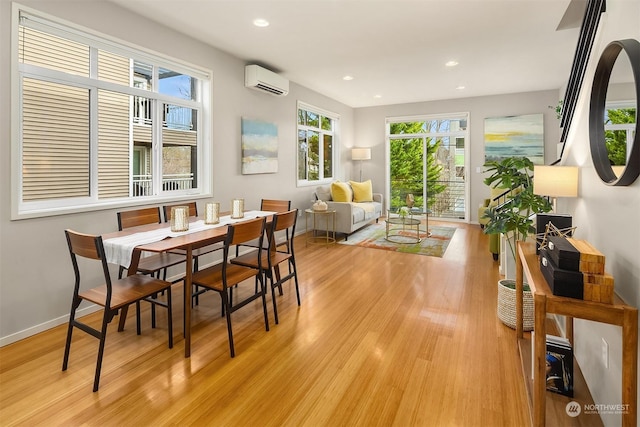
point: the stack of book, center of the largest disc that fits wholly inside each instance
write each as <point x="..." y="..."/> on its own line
<point x="559" y="365"/>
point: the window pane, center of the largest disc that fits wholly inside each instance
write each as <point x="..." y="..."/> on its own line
<point x="327" y="123"/>
<point x="301" y="116"/>
<point x="406" y="128"/>
<point x="55" y="141"/>
<point x="328" y="156"/>
<point x="313" y="119"/>
<point x="113" y="68"/>
<point x="313" y="156"/>
<point x="142" y="183"/>
<point x="53" y="52"/>
<point x="142" y="75"/>
<point x="177" y="117"/>
<point x="176" y="84"/>
<point x="303" y="149"/>
<point x="113" y="144"/>
<point x="431" y="126"/>
<point x="179" y="148"/>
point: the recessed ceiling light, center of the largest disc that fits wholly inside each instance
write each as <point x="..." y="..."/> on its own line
<point x="451" y="63"/>
<point x="259" y="22"/>
<point x="347" y="78"/>
<point x="377" y="96"/>
<point x="460" y="87"/>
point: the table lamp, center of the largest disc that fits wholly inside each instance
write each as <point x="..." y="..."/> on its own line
<point x="555" y="181"/>
<point x="361" y="154"/>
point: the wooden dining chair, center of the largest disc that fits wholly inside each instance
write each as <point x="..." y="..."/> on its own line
<point x="279" y="252"/>
<point x="154" y="264"/>
<point x="268" y="205"/>
<point x="111" y="295"/>
<point x="272" y="205"/>
<point x="221" y="277"/>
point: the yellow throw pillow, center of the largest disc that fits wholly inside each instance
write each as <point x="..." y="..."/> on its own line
<point x="340" y="192"/>
<point x="362" y="191"/>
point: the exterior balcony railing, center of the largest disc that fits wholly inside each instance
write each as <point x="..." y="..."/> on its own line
<point x="142" y="184"/>
<point x="448" y="203"/>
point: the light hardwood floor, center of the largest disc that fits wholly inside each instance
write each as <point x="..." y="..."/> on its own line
<point x="381" y="339"/>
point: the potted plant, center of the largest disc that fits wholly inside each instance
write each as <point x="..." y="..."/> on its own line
<point x="513" y="219"/>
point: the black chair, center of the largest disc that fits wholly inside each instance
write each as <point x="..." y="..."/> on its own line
<point x="112" y="295"/>
<point x="221" y="277"/>
<point x="279" y="251"/>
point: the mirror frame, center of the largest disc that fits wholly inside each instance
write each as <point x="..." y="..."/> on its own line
<point x="599" y="153"/>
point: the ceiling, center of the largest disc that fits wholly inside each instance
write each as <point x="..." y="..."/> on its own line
<point x="395" y="50"/>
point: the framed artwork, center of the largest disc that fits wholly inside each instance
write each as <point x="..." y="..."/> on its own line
<point x="509" y="136"/>
<point x="259" y="147"/>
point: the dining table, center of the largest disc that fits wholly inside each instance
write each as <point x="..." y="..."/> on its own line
<point x="126" y="247"/>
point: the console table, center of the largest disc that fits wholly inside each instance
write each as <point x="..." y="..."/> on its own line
<point x="618" y="313"/>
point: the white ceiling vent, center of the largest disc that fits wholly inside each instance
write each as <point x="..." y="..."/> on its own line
<point x="258" y="78"/>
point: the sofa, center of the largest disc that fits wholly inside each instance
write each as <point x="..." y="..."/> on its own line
<point x="355" y="203"/>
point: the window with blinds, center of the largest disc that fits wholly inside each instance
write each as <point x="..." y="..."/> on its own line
<point x="102" y="123"/>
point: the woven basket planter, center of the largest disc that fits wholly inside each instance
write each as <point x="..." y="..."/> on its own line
<point x="507" y="305"/>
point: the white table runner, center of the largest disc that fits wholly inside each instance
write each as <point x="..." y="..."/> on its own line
<point x="119" y="250"/>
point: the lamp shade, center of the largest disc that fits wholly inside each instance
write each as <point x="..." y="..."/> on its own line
<point x="361" y="154"/>
<point x="555" y="181"/>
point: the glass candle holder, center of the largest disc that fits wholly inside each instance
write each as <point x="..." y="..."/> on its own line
<point x="180" y="218"/>
<point x="212" y="213"/>
<point x="237" y="208"/>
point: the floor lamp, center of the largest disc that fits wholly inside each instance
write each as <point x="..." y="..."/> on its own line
<point x="361" y="154"/>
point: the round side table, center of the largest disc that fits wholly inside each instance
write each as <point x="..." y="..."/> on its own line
<point x="327" y="234"/>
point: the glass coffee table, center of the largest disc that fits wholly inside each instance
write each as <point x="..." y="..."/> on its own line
<point x="405" y="228"/>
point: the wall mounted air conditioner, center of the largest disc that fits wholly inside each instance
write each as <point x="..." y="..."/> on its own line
<point x="259" y="78"/>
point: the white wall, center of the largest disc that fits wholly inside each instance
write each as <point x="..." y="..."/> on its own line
<point x="370" y="127"/>
<point x="609" y="218"/>
<point x="36" y="277"/>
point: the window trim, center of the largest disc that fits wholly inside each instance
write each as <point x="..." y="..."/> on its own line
<point x="301" y="105"/>
<point x="204" y="105"/>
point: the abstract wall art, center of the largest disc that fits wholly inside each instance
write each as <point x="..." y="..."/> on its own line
<point x="259" y="147"/>
<point x="514" y="136"/>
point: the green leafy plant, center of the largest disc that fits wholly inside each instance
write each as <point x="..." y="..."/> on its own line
<point x="513" y="217"/>
<point x="558" y="109"/>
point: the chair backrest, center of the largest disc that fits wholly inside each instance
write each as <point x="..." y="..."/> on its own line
<point x="128" y="219"/>
<point x="245" y="231"/>
<point x="283" y="221"/>
<point x="275" y="205"/>
<point x="193" y="210"/>
<point x="88" y="246"/>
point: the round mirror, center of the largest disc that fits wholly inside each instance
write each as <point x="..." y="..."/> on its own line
<point x="613" y="119"/>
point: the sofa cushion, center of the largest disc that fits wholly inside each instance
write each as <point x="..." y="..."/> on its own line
<point x="341" y="192"/>
<point x="362" y="191"/>
<point x="323" y="192"/>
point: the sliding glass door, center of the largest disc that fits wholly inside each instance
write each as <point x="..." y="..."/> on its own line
<point x="427" y="158"/>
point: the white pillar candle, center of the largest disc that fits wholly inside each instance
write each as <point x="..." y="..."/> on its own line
<point x="212" y="213"/>
<point x="237" y="208"/>
<point x="179" y="218"/>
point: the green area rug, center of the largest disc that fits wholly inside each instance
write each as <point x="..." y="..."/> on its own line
<point x="373" y="236"/>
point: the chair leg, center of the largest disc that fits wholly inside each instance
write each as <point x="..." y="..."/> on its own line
<point x="263" y="293"/>
<point x="295" y="278"/>
<point x="138" y="328"/>
<point x="153" y="311"/>
<point x="227" y="309"/>
<point x="67" y="346"/>
<point x="103" y="335"/>
<point x="169" y="317"/>
<point x="273" y="298"/>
